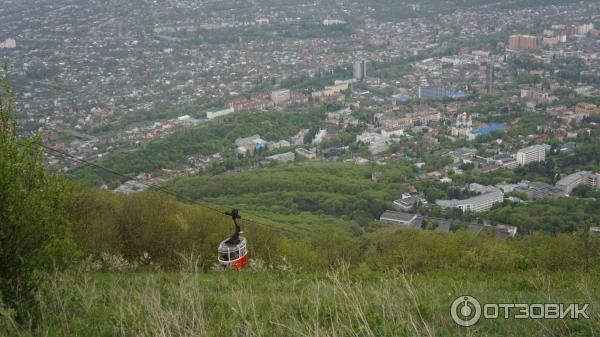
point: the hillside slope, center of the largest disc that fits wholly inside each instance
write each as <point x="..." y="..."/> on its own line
<point x="278" y="303"/>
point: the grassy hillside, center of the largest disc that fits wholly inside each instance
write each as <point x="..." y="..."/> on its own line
<point x="304" y="189"/>
<point x="308" y="196"/>
<point x="153" y="224"/>
<point x="278" y="303"/>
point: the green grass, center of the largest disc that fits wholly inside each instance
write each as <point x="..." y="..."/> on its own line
<point x="272" y="302"/>
<point x="304" y="192"/>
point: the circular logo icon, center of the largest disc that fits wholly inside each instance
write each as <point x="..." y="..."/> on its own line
<point x="465" y="310"/>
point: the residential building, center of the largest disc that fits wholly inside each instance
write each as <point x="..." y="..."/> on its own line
<point x="388" y="122"/>
<point x="522" y="42"/>
<point x="332" y="22"/>
<point x="531" y="154"/>
<point x="243" y="104"/>
<point x="550" y="40"/>
<point x="587" y="108"/>
<point x="568" y="183"/>
<point x="280" y="96"/>
<point x="424" y="115"/>
<point x="298" y="98"/>
<point x="408" y="202"/>
<point x="214" y="113"/>
<point x="537" y="190"/>
<point x="392" y="132"/>
<point x="359" y="70"/>
<point x="432" y="91"/>
<point x="480" y="203"/>
<point x="534" y="94"/>
<point x="584" y="28"/>
<point x="331" y="90"/>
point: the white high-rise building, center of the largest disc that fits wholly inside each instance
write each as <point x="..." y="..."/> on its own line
<point x="531" y="154"/>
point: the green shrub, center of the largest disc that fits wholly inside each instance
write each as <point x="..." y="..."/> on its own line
<point x="34" y="237"/>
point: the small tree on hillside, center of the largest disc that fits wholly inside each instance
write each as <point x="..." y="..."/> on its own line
<point x="34" y="238"/>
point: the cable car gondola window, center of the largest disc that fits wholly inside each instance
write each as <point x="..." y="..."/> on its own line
<point x="225" y="256"/>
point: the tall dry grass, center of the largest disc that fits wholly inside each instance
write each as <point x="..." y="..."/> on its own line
<point x="274" y="303"/>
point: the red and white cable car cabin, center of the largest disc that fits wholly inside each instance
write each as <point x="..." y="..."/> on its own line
<point x="233" y="256"/>
<point x="233" y="252"/>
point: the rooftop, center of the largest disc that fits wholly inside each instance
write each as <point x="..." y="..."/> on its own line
<point x="571" y="178"/>
<point x="473" y="200"/>
<point x="398" y="216"/>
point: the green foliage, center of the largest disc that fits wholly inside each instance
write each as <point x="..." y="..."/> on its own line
<point x="420" y="251"/>
<point x="34" y="237"/>
<point x="527" y="124"/>
<point x="144" y="223"/>
<point x="584" y="191"/>
<point x="338" y="189"/>
<point x="132" y="226"/>
<point x="217" y="136"/>
<point x="561" y="215"/>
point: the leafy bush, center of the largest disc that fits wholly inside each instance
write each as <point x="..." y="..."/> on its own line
<point x="34" y="237"/>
